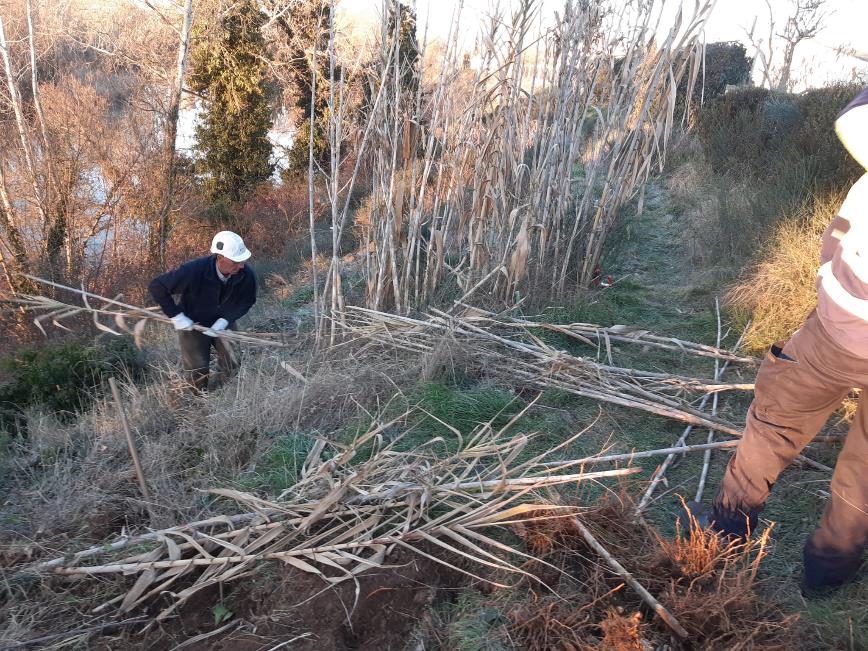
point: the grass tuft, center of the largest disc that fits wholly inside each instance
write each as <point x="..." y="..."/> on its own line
<point x="780" y="291"/>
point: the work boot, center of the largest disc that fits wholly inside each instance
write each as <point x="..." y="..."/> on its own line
<point x="732" y="524"/>
<point x="697" y="512"/>
<point x="825" y="570"/>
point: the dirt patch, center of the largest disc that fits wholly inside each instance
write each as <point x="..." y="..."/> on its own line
<point x="280" y="603"/>
<point x="110" y="518"/>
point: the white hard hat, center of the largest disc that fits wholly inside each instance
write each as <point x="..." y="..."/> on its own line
<point x="230" y="245"/>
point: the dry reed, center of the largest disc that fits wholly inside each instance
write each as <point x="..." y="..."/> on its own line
<point x="522" y="357"/>
<point x="780" y="290"/>
<point x="508" y="173"/>
<point x="351" y="507"/>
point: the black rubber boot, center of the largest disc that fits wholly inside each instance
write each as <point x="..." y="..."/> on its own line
<point x="827" y="570"/>
<point x="733" y="524"/>
<point x="698" y="512"/>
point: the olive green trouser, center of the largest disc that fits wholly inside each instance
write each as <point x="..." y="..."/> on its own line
<point x="799" y="384"/>
<point x="196" y="358"/>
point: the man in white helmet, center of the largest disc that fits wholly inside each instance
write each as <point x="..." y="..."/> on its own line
<point x="214" y="292"/>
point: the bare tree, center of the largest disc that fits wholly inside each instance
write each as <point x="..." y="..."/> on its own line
<point x="805" y="22"/>
<point x="13" y="240"/>
<point x="24" y="140"/>
<point x="84" y="164"/>
<point x="160" y="228"/>
<point x="764" y="49"/>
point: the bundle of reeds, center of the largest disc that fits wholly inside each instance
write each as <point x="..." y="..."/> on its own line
<point x="603" y="336"/>
<point x="353" y="504"/>
<point x="126" y="319"/>
<point x="507" y="347"/>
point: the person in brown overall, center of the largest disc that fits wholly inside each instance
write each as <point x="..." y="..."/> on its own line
<point x="802" y="381"/>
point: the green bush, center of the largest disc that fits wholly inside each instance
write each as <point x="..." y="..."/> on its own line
<point x="757" y="134"/>
<point x="831" y="166"/>
<point x="299" y="153"/>
<point x="221" y="214"/>
<point x="726" y="64"/>
<point x="62" y="376"/>
<point x="301" y="296"/>
<point x="779" y="122"/>
<point x="770" y="153"/>
<point x="727" y="129"/>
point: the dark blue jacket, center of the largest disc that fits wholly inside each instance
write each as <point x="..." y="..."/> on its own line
<point x="203" y="296"/>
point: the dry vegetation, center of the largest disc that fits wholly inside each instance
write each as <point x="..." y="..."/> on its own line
<point x="378" y="479"/>
<point x="788" y="273"/>
<point x="389" y="475"/>
<point x="504" y="178"/>
<point x="708" y="585"/>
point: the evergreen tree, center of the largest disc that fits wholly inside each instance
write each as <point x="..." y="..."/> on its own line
<point x="401" y="23"/>
<point x="305" y="52"/>
<point x="229" y="72"/>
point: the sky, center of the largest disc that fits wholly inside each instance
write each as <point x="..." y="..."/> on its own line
<point x="816" y="62"/>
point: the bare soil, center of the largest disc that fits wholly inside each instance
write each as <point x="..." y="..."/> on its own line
<point x="280" y="603"/>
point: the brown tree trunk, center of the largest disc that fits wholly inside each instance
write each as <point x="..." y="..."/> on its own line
<point x="14" y="240"/>
<point x="784" y="81"/>
<point x="160" y="226"/>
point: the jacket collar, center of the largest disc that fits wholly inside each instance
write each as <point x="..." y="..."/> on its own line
<point x="211" y="272"/>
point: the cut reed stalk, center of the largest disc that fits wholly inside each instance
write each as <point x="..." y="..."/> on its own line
<point x="134" y="454"/>
<point x="706" y="460"/>
<point x="661" y="471"/>
<point x="352" y="505"/>
<point x="644" y="454"/>
<point x="628" y="578"/>
<point x="519" y="355"/>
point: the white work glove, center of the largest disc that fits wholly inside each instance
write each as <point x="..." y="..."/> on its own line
<point x="219" y="324"/>
<point x="182" y="322"/>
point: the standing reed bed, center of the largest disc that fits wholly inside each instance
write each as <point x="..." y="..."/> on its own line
<point x="507" y="171"/>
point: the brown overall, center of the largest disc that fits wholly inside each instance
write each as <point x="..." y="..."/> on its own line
<point x="800" y="383"/>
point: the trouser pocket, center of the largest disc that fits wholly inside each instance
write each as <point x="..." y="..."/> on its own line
<point x="777" y="354"/>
